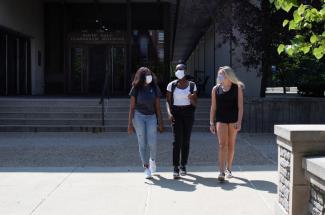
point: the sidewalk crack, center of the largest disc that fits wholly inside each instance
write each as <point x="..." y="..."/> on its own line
<point x="146" y="206"/>
<point x="256" y="189"/>
<point x="52" y="191"/>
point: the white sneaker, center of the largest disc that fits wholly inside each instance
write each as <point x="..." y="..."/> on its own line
<point x="228" y="173"/>
<point x="147" y="173"/>
<point x="153" y="167"/>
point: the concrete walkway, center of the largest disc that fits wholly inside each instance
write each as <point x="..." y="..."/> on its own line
<point x="84" y="173"/>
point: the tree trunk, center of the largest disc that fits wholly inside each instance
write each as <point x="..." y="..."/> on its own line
<point x="266" y="65"/>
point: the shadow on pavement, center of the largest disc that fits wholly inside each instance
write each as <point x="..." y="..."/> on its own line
<point x="176" y="185"/>
<point x="189" y="183"/>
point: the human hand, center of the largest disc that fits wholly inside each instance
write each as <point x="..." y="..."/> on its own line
<point x="190" y="96"/>
<point x="237" y="125"/>
<point x="130" y="129"/>
<point x="161" y="127"/>
<point x="171" y="119"/>
<point x="213" y="128"/>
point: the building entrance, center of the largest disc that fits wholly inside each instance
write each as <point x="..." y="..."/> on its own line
<point x="91" y="64"/>
<point x="15" y="68"/>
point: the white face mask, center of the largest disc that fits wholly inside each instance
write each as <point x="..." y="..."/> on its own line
<point x="180" y="74"/>
<point x="220" y="78"/>
<point x="148" y="79"/>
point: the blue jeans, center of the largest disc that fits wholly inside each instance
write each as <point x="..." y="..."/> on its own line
<point x="146" y="129"/>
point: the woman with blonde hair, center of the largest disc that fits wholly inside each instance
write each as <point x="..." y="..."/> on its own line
<point x="226" y="115"/>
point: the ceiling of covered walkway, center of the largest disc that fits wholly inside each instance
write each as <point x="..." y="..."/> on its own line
<point x="193" y="19"/>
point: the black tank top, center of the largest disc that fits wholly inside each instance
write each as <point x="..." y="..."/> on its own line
<point x="227" y="104"/>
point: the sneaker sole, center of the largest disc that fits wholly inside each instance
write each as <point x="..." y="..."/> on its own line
<point x="221" y="179"/>
<point x="153" y="172"/>
<point x="176" y="177"/>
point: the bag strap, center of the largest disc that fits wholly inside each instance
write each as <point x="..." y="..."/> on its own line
<point x="192" y="87"/>
<point x="174" y="85"/>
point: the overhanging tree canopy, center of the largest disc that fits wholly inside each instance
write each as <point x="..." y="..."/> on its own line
<point x="308" y="21"/>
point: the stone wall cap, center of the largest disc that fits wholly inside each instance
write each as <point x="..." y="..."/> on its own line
<point x="301" y="132"/>
<point x="315" y="166"/>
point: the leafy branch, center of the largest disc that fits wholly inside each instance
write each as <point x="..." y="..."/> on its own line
<point x="308" y="22"/>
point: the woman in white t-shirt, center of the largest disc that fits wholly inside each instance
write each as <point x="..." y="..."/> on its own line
<point x="181" y="102"/>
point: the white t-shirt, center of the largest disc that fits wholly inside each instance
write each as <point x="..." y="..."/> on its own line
<point x="180" y="95"/>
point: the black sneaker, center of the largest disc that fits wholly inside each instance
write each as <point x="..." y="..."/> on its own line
<point x="176" y="173"/>
<point x="183" y="171"/>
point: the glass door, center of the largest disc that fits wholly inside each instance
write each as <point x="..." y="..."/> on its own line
<point x="97" y="68"/>
<point x="92" y="64"/>
<point x="117" y="66"/>
<point x="78" y="77"/>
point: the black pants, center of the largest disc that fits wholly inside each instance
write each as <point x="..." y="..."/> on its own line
<point x="182" y="128"/>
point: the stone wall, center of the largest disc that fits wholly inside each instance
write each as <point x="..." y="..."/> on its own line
<point x="301" y="177"/>
<point x="315" y="175"/>
<point x="284" y="178"/>
<point x="316" y="201"/>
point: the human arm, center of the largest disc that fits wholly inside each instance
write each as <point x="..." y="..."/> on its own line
<point x="240" y="108"/>
<point x="213" y="109"/>
<point x="168" y="107"/>
<point x="159" y="115"/>
<point x="131" y="115"/>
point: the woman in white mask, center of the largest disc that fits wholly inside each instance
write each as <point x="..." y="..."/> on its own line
<point x="144" y="112"/>
<point x="226" y="116"/>
<point x="181" y="102"/>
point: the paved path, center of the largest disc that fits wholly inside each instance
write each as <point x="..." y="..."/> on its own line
<point x="82" y="173"/>
<point x="119" y="149"/>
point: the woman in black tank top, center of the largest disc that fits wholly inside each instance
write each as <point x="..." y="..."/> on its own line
<point x="227" y="108"/>
<point x="226" y="116"/>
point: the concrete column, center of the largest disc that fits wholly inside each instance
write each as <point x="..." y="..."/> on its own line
<point x="295" y="142"/>
<point x="167" y="32"/>
<point x="128" y="41"/>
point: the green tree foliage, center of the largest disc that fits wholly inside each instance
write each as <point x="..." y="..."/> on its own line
<point x="308" y="22"/>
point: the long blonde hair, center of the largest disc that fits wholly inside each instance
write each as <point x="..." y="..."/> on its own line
<point x="230" y="74"/>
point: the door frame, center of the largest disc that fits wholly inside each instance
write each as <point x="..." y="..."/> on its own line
<point x="85" y="68"/>
<point x="112" y="89"/>
<point x="85" y="83"/>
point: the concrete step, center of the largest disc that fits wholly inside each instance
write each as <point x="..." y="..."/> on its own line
<point x="46" y="102"/>
<point x="51" y="115"/>
<point x="45" y="109"/>
<point x="77" y="102"/>
<point x="44" y="128"/>
<point x="79" y="115"/>
<point x="82" y="109"/>
<point x="80" y="122"/>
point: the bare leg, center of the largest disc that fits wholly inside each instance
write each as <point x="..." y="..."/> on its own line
<point x="232" y="135"/>
<point x="222" y="132"/>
